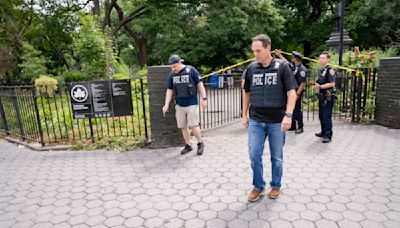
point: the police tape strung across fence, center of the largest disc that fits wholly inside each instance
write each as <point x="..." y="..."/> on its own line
<point x="358" y="72"/>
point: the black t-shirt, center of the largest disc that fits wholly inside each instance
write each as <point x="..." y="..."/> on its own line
<point x="269" y="115"/>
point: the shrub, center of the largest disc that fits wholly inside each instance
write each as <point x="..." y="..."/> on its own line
<point x="46" y="85"/>
<point x="74" y="76"/>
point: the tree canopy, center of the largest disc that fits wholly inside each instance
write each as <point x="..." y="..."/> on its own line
<point x="98" y="38"/>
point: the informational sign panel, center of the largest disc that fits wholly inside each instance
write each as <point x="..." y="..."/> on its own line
<point x="101" y="98"/>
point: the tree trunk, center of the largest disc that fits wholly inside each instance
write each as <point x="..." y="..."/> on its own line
<point x="142" y="51"/>
<point x="307" y="48"/>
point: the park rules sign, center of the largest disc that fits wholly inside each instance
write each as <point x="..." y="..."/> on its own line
<point x="109" y="98"/>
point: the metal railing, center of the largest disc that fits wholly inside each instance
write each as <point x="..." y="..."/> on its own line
<point x="355" y="102"/>
<point x="44" y="115"/>
<point x="224" y="96"/>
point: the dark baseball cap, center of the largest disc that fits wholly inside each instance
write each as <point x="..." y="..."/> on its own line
<point x="174" y="59"/>
<point x="297" y="54"/>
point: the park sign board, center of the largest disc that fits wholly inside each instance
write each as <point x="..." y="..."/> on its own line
<point x="109" y="98"/>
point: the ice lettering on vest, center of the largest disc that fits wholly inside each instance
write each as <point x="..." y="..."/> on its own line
<point x="271" y="79"/>
<point x="181" y="79"/>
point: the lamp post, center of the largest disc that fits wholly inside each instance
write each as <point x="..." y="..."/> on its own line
<point x="341" y="22"/>
<point x="339" y="40"/>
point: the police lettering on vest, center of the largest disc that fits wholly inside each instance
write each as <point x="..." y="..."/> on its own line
<point x="183" y="83"/>
<point x="266" y="85"/>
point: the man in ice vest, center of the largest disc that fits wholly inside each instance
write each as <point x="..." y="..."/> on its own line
<point x="269" y="98"/>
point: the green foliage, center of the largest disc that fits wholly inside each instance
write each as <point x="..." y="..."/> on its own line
<point x="210" y="33"/>
<point x="46" y="85"/>
<point x="33" y="63"/>
<point x="90" y="48"/>
<point x="374" y="23"/>
<point x="74" y="76"/>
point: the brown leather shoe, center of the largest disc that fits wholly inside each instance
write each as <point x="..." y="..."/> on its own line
<point x="255" y="194"/>
<point x="274" y="193"/>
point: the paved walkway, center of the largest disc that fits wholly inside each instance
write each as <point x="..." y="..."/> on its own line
<point x="352" y="182"/>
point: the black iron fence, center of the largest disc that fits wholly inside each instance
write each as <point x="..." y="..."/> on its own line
<point x="355" y="98"/>
<point x="224" y="96"/>
<point x="44" y="115"/>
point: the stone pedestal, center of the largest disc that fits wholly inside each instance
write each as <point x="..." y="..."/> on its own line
<point x="387" y="110"/>
<point x="164" y="132"/>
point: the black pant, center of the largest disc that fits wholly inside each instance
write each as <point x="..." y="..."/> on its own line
<point x="297" y="115"/>
<point x="325" y="117"/>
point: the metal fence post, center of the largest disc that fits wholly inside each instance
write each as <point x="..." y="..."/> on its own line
<point x="3" y="117"/>
<point x="38" y="116"/>
<point x="91" y="130"/>
<point x="18" y="113"/>
<point x="144" y="109"/>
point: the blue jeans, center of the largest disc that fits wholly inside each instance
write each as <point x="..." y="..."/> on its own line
<point x="258" y="132"/>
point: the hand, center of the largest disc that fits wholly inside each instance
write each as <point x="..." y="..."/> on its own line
<point x="165" y="109"/>
<point x="315" y="86"/>
<point x="278" y="52"/>
<point x="203" y="104"/>
<point x="245" y="121"/>
<point x="286" y="123"/>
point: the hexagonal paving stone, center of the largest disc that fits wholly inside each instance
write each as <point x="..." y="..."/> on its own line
<point x="134" y="222"/>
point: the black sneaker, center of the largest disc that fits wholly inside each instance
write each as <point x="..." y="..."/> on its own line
<point x="200" y="148"/>
<point x="187" y="149"/>
<point x="298" y="131"/>
<point x="326" y="140"/>
<point x="318" y="134"/>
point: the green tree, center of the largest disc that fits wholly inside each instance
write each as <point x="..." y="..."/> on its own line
<point x="309" y="24"/>
<point x="374" y="23"/>
<point x="89" y="47"/>
<point x="33" y="63"/>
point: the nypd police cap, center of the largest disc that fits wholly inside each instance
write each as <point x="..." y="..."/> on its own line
<point x="297" y="54"/>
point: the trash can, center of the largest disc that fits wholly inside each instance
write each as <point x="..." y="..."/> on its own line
<point x="214" y="81"/>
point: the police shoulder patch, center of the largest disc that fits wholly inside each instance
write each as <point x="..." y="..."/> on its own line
<point x="302" y="73"/>
<point x="277" y="65"/>
<point x="187" y="70"/>
<point x="332" y="72"/>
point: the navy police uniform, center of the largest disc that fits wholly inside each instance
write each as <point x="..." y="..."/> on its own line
<point x="326" y="101"/>
<point x="184" y="84"/>
<point x="299" y="73"/>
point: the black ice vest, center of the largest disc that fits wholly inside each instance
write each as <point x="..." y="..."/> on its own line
<point x="184" y="85"/>
<point x="266" y="85"/>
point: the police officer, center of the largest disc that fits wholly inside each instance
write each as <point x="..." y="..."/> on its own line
<point x="325" y="85"/>
<point x="268" y="101"/>
<point x="183" y="83"/>
<point x="299" y="72"/>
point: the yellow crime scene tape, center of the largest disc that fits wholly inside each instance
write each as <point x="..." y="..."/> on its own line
<point x="358" y="72"/>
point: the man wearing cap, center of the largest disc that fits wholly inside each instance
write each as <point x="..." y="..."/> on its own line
<point x="325" y="85"/>
<point x="269" y="98"/>
<point x="183" y="83"/>
<point x="299" y="72"/>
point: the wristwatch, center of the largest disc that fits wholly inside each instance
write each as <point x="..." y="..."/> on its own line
<point x="204" y="98"/>
<point x="289" y="114"/>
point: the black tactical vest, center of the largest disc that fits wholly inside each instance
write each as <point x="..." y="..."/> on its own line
<point x="266" y="85"/>
<point x="323" y="79"/>
<point x="184" y="85"/>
